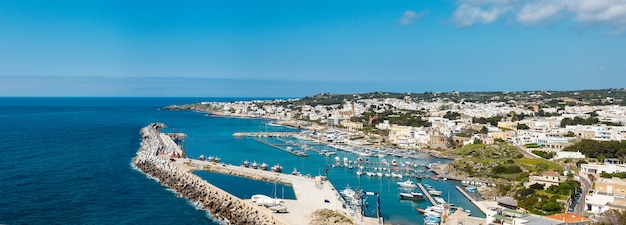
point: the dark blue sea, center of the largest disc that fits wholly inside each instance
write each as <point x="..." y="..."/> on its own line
<point x="68" y="161"/>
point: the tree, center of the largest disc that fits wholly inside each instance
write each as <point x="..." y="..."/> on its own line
<point x="484" y="130"/>
<point x="522" y="126"/>
<point x="552" y="207"/>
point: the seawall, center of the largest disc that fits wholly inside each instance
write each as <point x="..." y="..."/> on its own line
<point x="154" y="159"/>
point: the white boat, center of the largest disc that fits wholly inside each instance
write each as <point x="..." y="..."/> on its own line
<point x="412" y="196"/>
<point x="359" y="173"/>
<point x="434" y="192"/>
<point x="407" y="184"/>
<point x="278" y="209"/>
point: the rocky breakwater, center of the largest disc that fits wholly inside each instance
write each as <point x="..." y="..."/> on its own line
<point x="153" y="158"/>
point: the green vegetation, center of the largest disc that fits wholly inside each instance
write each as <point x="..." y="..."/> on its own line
<point x="599" y="149"/>
<point x="491" y="120"/>
<point x="500" y="161"/>
<point x="522" y="126"/>
<point x="543" y="154"/>
<point x="579" y="121"/>
<point x="546" y="202"/>
<point x="452" y="115"/>
<point x="609" y="175"/>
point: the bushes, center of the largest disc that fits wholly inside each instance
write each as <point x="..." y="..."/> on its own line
<point x="506" y="169"/>
<point x="542" y="154"/>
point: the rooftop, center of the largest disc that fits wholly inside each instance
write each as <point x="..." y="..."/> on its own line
<point x="569" y="217"/>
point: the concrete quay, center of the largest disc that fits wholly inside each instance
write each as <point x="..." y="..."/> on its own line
<point x="481" y="207"/>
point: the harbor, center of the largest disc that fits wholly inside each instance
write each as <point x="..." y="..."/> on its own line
<point x="368" y="168"/>
<point x="162" y="158"/>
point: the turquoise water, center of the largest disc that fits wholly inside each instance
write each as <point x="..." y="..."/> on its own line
<point x="67" y="161"/>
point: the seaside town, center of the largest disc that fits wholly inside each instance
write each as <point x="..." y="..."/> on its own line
<point x="536" y="157"/>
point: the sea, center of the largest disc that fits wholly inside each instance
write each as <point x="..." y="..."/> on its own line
<point x="68" y="161"/>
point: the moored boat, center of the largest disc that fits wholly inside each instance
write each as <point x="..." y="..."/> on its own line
<point x="412" y="196"/>
<point x="277" y="168"/>
<point x="407" y="184"/>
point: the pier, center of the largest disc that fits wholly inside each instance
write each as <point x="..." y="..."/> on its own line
<point x="265" y="134"/>
<point x="296" y="153"/>
<point x="428" y="196"/>
<point x="472" y="200"/>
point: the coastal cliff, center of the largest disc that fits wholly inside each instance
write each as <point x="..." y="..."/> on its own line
<point x="154" y="159"/>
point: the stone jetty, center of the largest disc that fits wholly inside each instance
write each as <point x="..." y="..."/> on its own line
<point x="156" y="158"/>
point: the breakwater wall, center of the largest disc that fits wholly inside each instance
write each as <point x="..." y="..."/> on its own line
<point x="153" y="158"/>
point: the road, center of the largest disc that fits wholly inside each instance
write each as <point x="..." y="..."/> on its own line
<point x="585" y="184"/>
<point x="527" y="153"/>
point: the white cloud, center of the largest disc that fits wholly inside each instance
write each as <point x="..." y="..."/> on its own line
<point x="467" y="15"/>
<point x="607" y="13"/>
<point x="409" y="16"/>
<point x="536" y="13"/>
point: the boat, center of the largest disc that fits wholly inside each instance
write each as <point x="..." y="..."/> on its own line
<point x="434" y="192"/>
<point x="278" y="209"/>
<point x="245" y="163"/>
<point x="254" y="165"/>
<point x="394" y="162"/>
<point x="201" y="157"/>
<point x="359" y="173"/>
<point x="471" y="189"/>
<point x="407" y="184"/>
<point x="412" y="196"/>
<point x="351" y="196"/>
<point x="264" y="166"/>
<point x="277" y="168"/>
<point x="295" y="172"/>
<point x="432" y="218"/>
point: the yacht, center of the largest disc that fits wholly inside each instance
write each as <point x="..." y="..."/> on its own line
<point x="407" y="184"/>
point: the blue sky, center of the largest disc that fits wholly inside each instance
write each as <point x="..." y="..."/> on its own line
<point x="298" y="48"/>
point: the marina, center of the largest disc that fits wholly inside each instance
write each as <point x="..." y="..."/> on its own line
<point x="368" y="168"/>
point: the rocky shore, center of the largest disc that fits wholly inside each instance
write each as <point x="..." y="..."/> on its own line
<point x="154" y="158"/>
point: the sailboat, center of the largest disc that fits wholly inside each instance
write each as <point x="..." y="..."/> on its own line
<point x="278" y="208"/>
